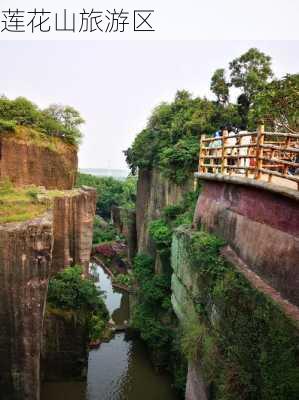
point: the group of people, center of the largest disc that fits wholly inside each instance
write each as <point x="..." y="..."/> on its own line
<point x="231" y="141"/>
<point x="239" y="153"/>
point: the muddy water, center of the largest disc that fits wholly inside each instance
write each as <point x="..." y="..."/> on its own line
<point x="118" y="370"/>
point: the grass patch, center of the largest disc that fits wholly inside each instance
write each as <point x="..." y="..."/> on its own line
<point x="7" y="126"/>
<point x="22" y="204"/>
<point x="30" y="135"/>
<point x="18" y="205"/>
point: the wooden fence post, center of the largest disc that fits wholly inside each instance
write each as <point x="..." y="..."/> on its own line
<point x="224" y="151"/>
<point x="287" y="144"/>
<point x="259" y="151"/>
<point x="201" y="154"/>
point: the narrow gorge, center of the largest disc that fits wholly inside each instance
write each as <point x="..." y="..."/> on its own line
<point x="176" y="279"/>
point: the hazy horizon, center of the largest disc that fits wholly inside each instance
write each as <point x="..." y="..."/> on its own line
<point x="116" y="84"/>
<point x="106" y="172"/>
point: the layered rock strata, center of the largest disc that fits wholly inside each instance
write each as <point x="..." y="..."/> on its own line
<point x="25" y="163"/>
<point x="154" y="192"/>
<point x="260" y="225"/>
<point x="30" y="252"/>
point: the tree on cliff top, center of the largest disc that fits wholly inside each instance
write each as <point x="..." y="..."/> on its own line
<point x="56" y="120"/>
<point x="20" y="110"/>
<point x="278" y="104"/>
<point x="67" y="120"/>
<point x="170" y="140"/>
<point x="220" y="86"/>
<point x="250" y="73"/>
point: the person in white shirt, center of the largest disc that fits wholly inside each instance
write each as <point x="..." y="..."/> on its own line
<point x="215" y="144"/>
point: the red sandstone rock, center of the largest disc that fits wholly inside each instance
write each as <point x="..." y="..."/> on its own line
<point x="30" y="164"/>
<point x="30" y="252"/>
<point x="25" y="267"/>
<point x="154" y="192"/>
<point x="73" y="229"/>
<point x="261" y="226"/>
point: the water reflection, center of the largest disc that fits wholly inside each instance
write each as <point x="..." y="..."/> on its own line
<point x="118" y="370"/>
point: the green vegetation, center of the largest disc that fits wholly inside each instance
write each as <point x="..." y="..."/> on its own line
<point x="170" y="140"/>
<point x="7" y="126"/>
<point x="278" y="104"/>
<point x="192" y="339"/>
<point x="274" y="102"/>
<point x="161" y="230"/>
<point x="110" y="192"/>
<point x="153" y="314"/>
<point x="75" y="295"/>
<point x="247" y="347"/>
<point x="250" y="72"/>
<point x="220" y="86"/>
<point x="20" y="204"/>
<point x="103" y="231"/>
<point x="161" y="233"/>
<point x="154" y="291"/>
<point x="170" y="143"/>
<point x="154" y="318"/>
<point x="127" y="280"/>
<point x="30" y="135"/>
<point x="58" y="121"/>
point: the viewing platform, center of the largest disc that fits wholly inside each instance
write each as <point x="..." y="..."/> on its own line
<point x="250" y="198"/>
<point x="265" y="159"/>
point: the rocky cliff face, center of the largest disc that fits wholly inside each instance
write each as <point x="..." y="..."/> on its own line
<point x="238" y="301"/>
<point x="73" y="229"/>
<point x="28" y="163"/>
<point x="64" y="352"/>
<point x="30" y="253"/>
<point x="125" y="222"/>
<point x="154" y="192"/>
<point x="260" y="225"/>
<point x="25" y="261"/>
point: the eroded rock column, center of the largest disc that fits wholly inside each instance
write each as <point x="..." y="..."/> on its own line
<point x="25" y="265"/>
<point x="73" y="229"/>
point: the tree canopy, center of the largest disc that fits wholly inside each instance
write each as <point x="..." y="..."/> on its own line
<point x="278" y="104"/>
<point x="110" y="192"/>
<point x="56" y="120"/>
<point x="220" y="86"/>
<point x="250" y="72"/>
<point x="170" y="140"/>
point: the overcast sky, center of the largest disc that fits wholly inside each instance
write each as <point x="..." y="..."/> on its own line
<point x="116" y="84"/>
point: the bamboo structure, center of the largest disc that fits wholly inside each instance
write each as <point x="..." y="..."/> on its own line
<point x="257" y="155"/>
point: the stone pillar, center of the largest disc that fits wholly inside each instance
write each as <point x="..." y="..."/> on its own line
<point x="25" y="264"/>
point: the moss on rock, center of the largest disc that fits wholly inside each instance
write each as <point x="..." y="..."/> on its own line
<point x="249" y="348"/>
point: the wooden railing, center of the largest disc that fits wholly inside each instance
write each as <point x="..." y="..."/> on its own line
<point x="258" y="155"/>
